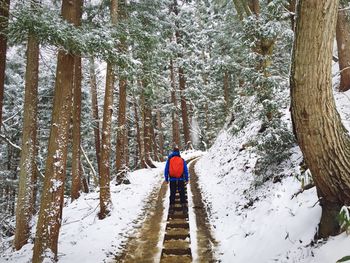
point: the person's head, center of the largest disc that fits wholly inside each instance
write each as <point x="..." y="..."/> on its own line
<point x="176" y="148"/>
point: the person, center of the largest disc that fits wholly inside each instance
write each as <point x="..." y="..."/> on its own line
<point x="176" y="173"/>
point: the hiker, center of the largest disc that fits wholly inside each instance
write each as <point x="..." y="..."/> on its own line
<point x="176" y="173"/>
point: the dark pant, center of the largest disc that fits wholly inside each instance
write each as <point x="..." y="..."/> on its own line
<point x="180" y="186"/>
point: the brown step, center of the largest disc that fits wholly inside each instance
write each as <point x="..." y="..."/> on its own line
<point x="176" y="216"/>
<point x="176" y="251"/>
<point x="177" y="225"/>
<point x="176" y="244"/>
<point x="176" y="259"/>
<point x="176" y="236"/>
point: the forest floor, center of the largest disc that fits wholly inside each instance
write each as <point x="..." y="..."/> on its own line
<point x="147" y="245"/>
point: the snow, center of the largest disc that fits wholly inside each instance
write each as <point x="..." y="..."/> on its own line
<point x="85" y="238"/>
<point x="267" y="223"/>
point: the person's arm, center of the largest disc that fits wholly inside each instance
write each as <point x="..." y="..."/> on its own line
<point x="166" y="171"/>
<point x="185" y="171"/>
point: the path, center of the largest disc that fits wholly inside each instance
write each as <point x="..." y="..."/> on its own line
<point x="166" y="239"/>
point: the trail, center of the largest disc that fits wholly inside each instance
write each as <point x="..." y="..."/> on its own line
<point x="173" y="238"/>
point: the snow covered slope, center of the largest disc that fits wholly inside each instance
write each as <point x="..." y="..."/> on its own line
<point x="85" y="238"/>
<point x="266" y="223"/>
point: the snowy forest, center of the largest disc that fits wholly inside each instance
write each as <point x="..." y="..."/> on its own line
<point x="95" y="95"/>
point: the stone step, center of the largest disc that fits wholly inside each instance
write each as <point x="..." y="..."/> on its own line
<point x="177" y="252"/>
<point x="176" y="259"/>
<point x="177" y="225"/>
<point x="176" y="236"/>
<point x="177" y="216"/>
<point x="177" y="231"/>
<point x="176" y="244"/>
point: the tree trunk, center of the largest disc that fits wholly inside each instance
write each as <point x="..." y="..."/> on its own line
<point x="184" y="113"/>
<point x="343" y="43"/>
<point x="291" y="8"/>
<point x="147" y="113"/>
<point x="175" y="115"/>
<point x="138" y="135"/>
<point x="50" y="214"/>
<point x="226" y="93"/>
<point x="121" y="129"/>
<point x="105" y="193"/>
<point x="160" y="136"/>
<point x="4" y="14"/>
<point x="76" y="168"/>
<point x="94" y="106"/>
<point x="76" y="117"/>
<point x="254" y="7"/>
<point x="323" y="140"/>
<point x="28" y="169"/>
<point x="154" y="142"/>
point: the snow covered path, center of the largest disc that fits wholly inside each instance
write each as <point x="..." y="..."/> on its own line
<point x="152" y="240"/>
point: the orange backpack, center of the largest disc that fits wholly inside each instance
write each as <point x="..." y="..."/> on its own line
<point x="176" y="167"/>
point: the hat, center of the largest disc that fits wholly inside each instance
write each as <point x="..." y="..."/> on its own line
<point x="176" y="148"/>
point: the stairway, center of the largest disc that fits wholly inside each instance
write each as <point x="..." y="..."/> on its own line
<point x="176" y="245"/>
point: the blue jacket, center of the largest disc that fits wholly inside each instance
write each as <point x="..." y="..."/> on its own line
<point x="166" y="171"/>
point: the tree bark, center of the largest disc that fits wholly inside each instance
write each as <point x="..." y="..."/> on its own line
<point x="254" y="7"/>
<point x="343" y="43"/>
<point x="4" y="15"/>
<point x="323" y="140"/>
<point x="94" y="106"/>
<point x="76" y="117"/>
<point x="291" y="8"/>
<point x="138" y="135"/>
<point x="226" y="93"/>
<point x="105" y="194"/>
<point x="184" y="112"/>
<point x="147" y="140"/>
<point x="175" y="115"/>
<point x="160" y="136"/>
<point x="76" y="171"/>
<point x="28" y="169"/>
<point x="121" y="130"/>
<point x="50" y="214"/>
<point x="154" y="142"/>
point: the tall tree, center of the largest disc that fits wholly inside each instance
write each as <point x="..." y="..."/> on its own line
<point x="50" y="214"/>
<point x="121" y="130"/>
<point x="343" y="43"/>
<point x="76" y="113"/>
<point x="28" y="169"/>
<point x="94" y="106"/>
<point x="4" y="15"/>
<point x="322" y="138"/>
<point x="226" y="92"/>
<point x="175" y="116"/>
<point x="105" y="194"/>
<point x="139" y="156"/>
<point x="160" y="135"/>
<point x="184" y="111"/>
<point x="182" y="82"/>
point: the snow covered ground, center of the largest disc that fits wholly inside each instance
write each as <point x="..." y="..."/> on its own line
<point x="265" y="223"/>
<point x="85" y="238"/>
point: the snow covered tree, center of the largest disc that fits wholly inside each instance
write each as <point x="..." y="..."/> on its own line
<point x="4" y="14"/>
<point x="52" y="197"/>
<point x="323" y="140"/>
<point x="105" y="195"/>
<point x="28" y="167"/>
<point x="76" y="116"/>
<point x="94" y="110"/>
<point x="121" y="129"/>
